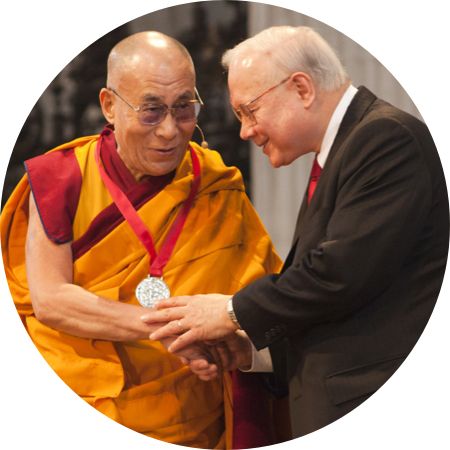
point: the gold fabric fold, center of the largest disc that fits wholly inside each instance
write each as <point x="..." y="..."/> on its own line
<point x="222" y="247"/>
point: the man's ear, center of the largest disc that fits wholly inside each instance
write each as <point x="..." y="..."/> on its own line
<point x="107" y="104"/>
<point x="305" y="88"/>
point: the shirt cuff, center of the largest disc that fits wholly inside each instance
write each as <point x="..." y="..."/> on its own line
<point x="261" y="361"/>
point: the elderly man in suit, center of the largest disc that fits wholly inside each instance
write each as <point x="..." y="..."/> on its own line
<point x="371" y="241"/>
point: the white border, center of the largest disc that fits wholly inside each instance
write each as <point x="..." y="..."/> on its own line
<point x="39" y="38"/>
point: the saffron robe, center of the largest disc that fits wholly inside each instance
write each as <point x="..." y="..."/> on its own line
<point x="223" y="246"/>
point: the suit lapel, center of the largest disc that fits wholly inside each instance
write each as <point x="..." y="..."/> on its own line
<point x="300" y="217"/>
<point x="355" y="112"/>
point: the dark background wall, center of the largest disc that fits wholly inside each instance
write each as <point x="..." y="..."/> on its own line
<point x="69" y="107"/>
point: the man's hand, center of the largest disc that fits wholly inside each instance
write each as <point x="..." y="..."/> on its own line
<point x="194" y="318"/>
<point x="204" y="357"/>
<point x="234" y="352"/>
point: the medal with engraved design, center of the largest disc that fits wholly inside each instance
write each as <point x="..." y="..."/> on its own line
<point x="151" y="290"/>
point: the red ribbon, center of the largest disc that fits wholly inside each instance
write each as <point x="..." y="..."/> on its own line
<point x="157" y="260"/>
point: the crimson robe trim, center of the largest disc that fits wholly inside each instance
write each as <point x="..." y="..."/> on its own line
<point x="57" y="192"/>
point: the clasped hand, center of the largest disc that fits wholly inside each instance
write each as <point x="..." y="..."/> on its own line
<point x="198" y="330"/>
<point x="208" y="359"/>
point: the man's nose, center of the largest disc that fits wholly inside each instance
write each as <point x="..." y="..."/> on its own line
<point x="247" y="131"/>
<point x="167" y="128"/>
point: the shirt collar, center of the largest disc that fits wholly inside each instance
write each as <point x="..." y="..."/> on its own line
<point x="334" y="124"/>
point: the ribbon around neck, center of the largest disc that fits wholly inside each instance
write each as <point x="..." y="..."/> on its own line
<point x="157" y="260"/>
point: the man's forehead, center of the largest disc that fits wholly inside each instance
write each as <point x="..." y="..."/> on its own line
<point x="150" y="64"/>
<point x="162" y="68"/>
<point x="153" y="95"/>
<point x="244" y="84"/>
<point x="158" y="80"/>
<point x="156" y="92"/>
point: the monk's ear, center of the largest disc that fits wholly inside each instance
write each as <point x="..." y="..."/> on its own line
<point x="306" y="90"/>
<point x="106" y="97"/>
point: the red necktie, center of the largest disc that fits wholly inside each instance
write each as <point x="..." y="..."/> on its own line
<point x="313" y="179"/>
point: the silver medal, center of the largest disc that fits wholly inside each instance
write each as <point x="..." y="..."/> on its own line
<point x="151" y="290"/>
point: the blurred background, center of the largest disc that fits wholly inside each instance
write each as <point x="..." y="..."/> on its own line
<point x="69" y="107"/>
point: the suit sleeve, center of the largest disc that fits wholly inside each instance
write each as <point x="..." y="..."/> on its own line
<point x="383" y="197"/>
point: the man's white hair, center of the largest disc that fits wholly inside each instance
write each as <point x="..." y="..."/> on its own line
<point x="293" y="49"/>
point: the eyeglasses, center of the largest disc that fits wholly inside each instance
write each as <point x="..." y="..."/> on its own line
<point x="155" y="113"/>
<point x="244" y="111"/>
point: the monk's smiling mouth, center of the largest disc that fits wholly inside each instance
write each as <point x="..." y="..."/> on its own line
<point x="164" y="151"/>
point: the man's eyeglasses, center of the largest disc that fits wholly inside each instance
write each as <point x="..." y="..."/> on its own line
<point x="155" y="113"/>
<point x="245" y="111"/>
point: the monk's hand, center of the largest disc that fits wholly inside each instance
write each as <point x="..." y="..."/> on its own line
<point x="204" y="357"/>
<point x="204" y="370"/>
<point x="233" y="352"/>
<point x="193" y="318"/>
<point x="209" y="367"/>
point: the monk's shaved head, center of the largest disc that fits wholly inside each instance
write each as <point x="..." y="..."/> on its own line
<point x="150" y="68"/>
<point x="150" y="48"/>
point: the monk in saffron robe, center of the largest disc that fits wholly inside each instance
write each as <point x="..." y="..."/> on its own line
<point x="73" y="260"/>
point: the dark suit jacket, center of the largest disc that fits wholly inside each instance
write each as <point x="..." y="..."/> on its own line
<point x="365" y="268"/>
